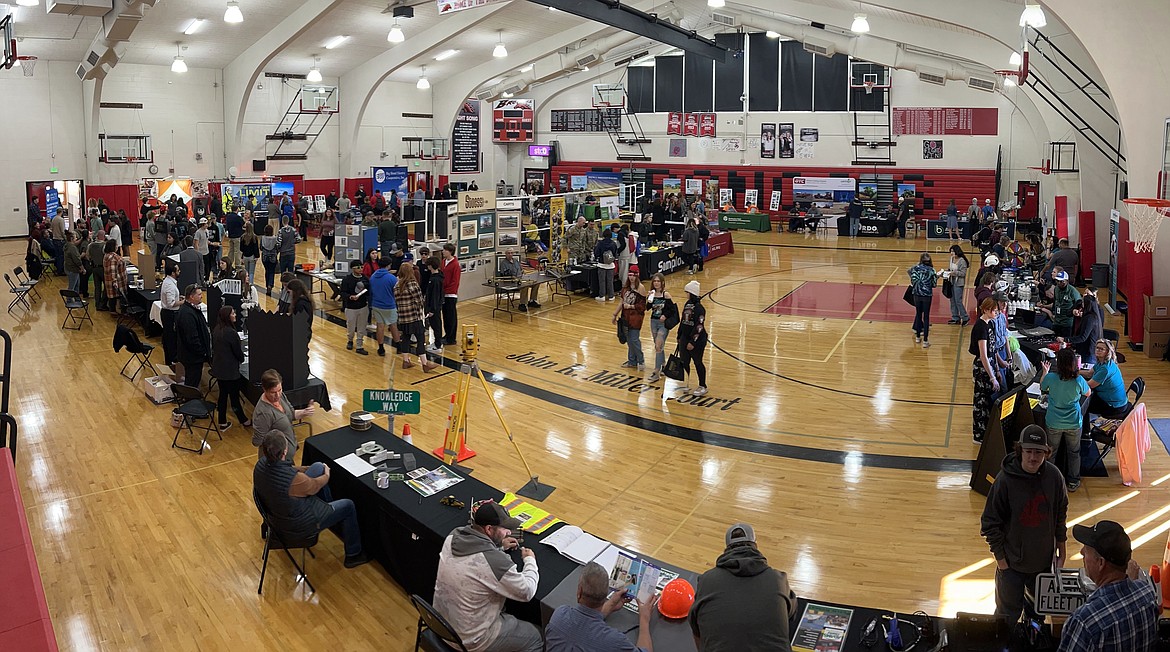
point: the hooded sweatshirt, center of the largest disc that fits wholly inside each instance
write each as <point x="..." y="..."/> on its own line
<point x="1024" y="517"/>
<point x="475" y="578"/>
<point x="742" y="605"/>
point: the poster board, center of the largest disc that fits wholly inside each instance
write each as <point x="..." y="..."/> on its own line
<point x="831" y="193"/>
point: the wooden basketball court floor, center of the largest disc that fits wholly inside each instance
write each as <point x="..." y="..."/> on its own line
<point x="847" y="446"/>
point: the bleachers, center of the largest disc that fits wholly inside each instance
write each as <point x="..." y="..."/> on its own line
<point x="24" y="614"/>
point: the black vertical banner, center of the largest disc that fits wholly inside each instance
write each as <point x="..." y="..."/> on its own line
<point x="786" y="139"/>
<point x="465" y="139"/>
<point x="768" y="140"/>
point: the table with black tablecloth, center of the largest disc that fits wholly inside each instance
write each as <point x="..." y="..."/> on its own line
<point x="405" y="531"/>
<point x="871" y="227"/>
<point x="665" y="259"/>
<point x="145" y="299"/>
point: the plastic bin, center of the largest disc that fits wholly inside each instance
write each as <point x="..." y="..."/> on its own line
<point x="1100" y="275"/>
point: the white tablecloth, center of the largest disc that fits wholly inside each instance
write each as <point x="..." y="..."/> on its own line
<point x="156" y="311"/>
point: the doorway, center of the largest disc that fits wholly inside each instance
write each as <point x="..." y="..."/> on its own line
<point x="70" y="194"/>
<point x="1028" y="200"/>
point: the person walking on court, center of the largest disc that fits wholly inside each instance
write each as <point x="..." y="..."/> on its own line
<point x="957" y="274"/>
<point x="922" y="282"/>
<point x="632" y="309"/>
<point x="983" y="368"/>
<point x="952" y="221"/>
<point x="355" y="297"/>
<point x="690" y="246"/>
<point x="663" y="317"/>
<point x="854" y="215"/>
<point x="286" y="244"/>
<point x="692" y="337"/>
<point x="1065" y="389"/>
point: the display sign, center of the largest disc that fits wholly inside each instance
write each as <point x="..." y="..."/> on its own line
<point x="787" y="140"/>
<point x="768" y="140"/>
<point x="558" y="247"/>
<point x="391" y="401"/>
<point x="674" y="126"/>
<point x="52" y="202"/>
<point x="465" y="157"/>
<point x="390" y="180"/>
<point x="833" y="193"/>
<point x="514" y="121"/>
<point x="774" y="204"/>
<point x="726" y="197"/>
<point x="1114" y="224"/>
<point x="677" y="148"/>
<point x="809" y="135"/>
<point x="606" y="183"/>
<point x="671" y="185"/>
<point x="694" y="186"/>
<point x="690" y="124"/>
<point x="944" y="121"/>
<point x="751" y="197"/>
<point x="867" y="192"/>
<point x="541" y="151"/>
<point x="932" y="149"/>
<point x="1059" y="594"/>
<point x="451" y="6"/>
<point x="476" y="201"/>
<point x="578" y="182"/>
<point x="586" y="120"/>
<point x="707" y="125"/>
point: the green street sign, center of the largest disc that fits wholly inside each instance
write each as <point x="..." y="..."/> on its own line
<point x="391" y="401"/>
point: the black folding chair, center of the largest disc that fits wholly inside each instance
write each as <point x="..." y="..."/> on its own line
<point x="299" y="399"/>
<point x="275" y="540"/>
<point x="1108" y="438"/>
<point x="128" y="314"/>
<point x="27" y="281"/>
<point x="193" y="408"/>
<point x="75" y="304"/>
<point x="19" y="294"/>
<point x="434" y="634"/>
<point x="48" y="262"/>
<point x="139" y="351"/>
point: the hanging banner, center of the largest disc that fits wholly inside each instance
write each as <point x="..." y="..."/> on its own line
<point x="451" y="6"/>
<point x="1114" y="224"/>
<point x="389" y="179"/>
<point x="774" y="204"/>
<point x="52" y="202"/>
<point x="932" y="149"/>
<point x="558" y="249"/>
<point x="465" y="157"/>
<point x="867" y="192"/>
<point x="768" y="140"/>
<point x="707" y="125"/>
<point x="603" y="184"/>
<point x="690" y="124"/>
<point x="236" y="196"/>
<point x="787" y="141"/>
<point x="826" y="192"/>
<point x="674" y="124"/>
<point x="678" y="148"/>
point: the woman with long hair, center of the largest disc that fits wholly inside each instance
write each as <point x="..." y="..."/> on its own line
<point x="249" y="249"/>
<point x="300" y="301"/>
<point x="632" y="308"/>
<point x="1106" y="382"/>
<point x="371" y="264"/>
<point x="227" y="354"/>
<point x="663" y="317"/>
<point x="952" y="221"/>
<point x="983" y="347"/>
<point x="1063" y="420"/>
<point x="957" y="274"/>
<point x="328" y="228"/>
<point x="1084" y="341"/>
<point x="224" y="270"/>
<point x="1037" y="255"/>
<point x="692" y="337"/>
<point x="411" y="313"/>
<point x="922" y="280"/>
<point x="270" y="256"/>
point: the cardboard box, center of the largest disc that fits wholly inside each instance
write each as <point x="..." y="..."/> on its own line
<point x="1157" y="307"/>
<point x="1152" y="325"/>
<point x="158" y="389"/>
<point x="1155" y="344"/>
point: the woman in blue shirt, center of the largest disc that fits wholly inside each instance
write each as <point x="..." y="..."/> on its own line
<point x="1063" y="420"/>
<point x="1106" y="382"/>
<point x="922" y="280"/>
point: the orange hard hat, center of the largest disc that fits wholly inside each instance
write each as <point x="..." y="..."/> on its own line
<point x="677" y="598"/>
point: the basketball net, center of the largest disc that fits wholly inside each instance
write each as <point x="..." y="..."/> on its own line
<point x="26" y="65"/>
<point x="1145" y="217"/>
<point x="868" y="87"/>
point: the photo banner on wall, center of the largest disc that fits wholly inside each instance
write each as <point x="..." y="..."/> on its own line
<point x="826" y="192"/>
<point x="674" y="126"/>
<point x="389" y="179"/>
<point x="690" y="124"/>
<point x="465" y="139"/>
<point x="235" y="196"/>
<point x="787" y="140"/>
<point x="671" y="186"/>
<point x="768" y="140"/>
<point x="867" y="193"/>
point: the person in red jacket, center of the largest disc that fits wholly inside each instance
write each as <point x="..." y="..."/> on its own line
<point x="451" y="274"/>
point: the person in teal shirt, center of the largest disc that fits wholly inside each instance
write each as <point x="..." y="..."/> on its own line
<point x="1063" y="420"/>
<point x="1108" y="387"/>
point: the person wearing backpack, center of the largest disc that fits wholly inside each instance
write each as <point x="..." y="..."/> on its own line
<point x="605" y="253"/>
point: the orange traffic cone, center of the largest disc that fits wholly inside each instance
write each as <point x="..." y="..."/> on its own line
<point x="406" y="434"/>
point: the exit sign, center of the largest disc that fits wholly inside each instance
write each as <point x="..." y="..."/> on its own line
<point x="391" y="401"/>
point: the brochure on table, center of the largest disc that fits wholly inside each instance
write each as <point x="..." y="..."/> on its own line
<point x="821" y="629"/>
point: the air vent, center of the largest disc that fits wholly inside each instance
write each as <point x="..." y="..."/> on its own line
<point x="93" y="58"/>
<point x="981" y="84"/>
<point x="484" y="94"/>
<point x="727" y="20"/>
<point x="513" y="89"/>
<point x="588" y="59"/>
<point x="81" y="72"/>
<point x="932" y="76"/>
<point x="822" y="48"/>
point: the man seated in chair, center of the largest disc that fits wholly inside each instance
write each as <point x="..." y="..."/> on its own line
<point x="510" y="267"/>
<point x="298" y="499"/>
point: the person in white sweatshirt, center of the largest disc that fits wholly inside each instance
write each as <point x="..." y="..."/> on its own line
<point x="476" y="576"/>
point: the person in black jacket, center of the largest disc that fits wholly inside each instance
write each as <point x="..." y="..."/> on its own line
<point x="355" y="298"/>
<point x="227" y="354"/>
<point x="433" y="300"/>
<point x="692" y="337"/>
<point x="192" y="336"/>
<point x="300" y="301"/>
<point x="904" y="214"/>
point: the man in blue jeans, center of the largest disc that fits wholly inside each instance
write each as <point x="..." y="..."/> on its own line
<point x="286" y="244"/>
<point x="298" y="500"/>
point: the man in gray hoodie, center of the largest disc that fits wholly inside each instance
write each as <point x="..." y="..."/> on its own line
<point x="742" y="605"/>
<point x="476" y="576"/>
<point x="1024" y="520"/>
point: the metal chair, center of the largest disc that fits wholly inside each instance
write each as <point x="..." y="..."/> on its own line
<point x="299" y="399"/>
<point x="20" y="294"/>
<point x="49" y="262"/>
<point x="74" y="303"/>
<point x="275" y="540"/>
<point x="27" y="281"/>
<point x="434" y="634"/>
<point x="140" y="352"/>
<point x="1108" y="438"/>
<point x="194" y="408"/>
<point x="128" y="314"/>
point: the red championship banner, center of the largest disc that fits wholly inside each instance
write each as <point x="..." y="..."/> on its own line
<point x="674" y="124"/>
<point x="690" y="124"/>
<point x="707" y="125"/>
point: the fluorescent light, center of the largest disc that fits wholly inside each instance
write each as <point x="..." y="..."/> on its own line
<point x="395" y="35"/>
<point x="194" y="26"/>
<point x="178" y="65"/>
<point x="716" y="4"/>
<point x="527" y="68"/>
<point x="446" y="54"/>
<point x="423" y="83"/>
<point x="233" y="13"/>
<point x="336" y="41"/>
<point x="1032" y="16"/>
<point x="1015" y="59"/>
<point x="771" y="34"/>
<point x="860" y="24"/>
<point x="27" y="3"/>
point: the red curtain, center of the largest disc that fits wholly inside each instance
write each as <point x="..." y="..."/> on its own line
<point x="122" y="196"/>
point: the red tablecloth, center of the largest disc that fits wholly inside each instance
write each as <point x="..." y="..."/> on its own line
<point x="719" y="244"/>
<point x="24" y="614"/>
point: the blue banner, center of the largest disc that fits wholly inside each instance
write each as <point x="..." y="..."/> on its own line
<point x="390" y="179"/>
<point x="52" y="202"/>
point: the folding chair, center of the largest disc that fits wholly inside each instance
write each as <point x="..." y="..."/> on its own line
<point x="128" y="314"/>
<point x="1108" y="438"/>
<point x="20" y="294"/>
<point x="193" y="408"/>
<point x="434" y="634"/>
<point x="299" y="399"/>
<point x="140" y="352"/>
<point x="47" y="263"/>
<point x="74" y="303"/>
<point x="275" y="540"/>
<point x="27" y="281"/>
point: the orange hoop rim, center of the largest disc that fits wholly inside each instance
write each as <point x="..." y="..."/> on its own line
<point x="1152" y="202"/>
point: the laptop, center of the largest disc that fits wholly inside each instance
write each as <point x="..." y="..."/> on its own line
<point x="1025" y="318"/>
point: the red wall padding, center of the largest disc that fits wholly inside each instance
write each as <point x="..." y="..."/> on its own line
<point x="122" y="196"/>
<point x="934" y="187"/>
<point x="1087" y="238"/>
<point x="1135" y="278"/>
<point x="319" y="186"/>
<point x="351" y="185"/>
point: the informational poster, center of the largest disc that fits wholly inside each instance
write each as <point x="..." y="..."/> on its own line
<point x="318" y="203"/>
<point x="726" y="197"/>
<point x="906" y="191"/>
<point x="514" y="121"/>
<point x="476" y="201"/>
<point x="867" y="192"/>
<point x="52" y="202"/>
<point x="588" y="120"/>
<point x="833" y="193"/>
<point x="809" y="135"/>
<point x="712" y="192"/>
<point x="944" y="121"/>
<point x="932" y="149"/>
<point x="768" y="140"/>
<point x="690" y="124"/>
<point x="558" y="249"/>
<point x="181" y="188"/>
<point x="674" y="124"/>
<point x="390" y="179"/>
<point x="678" y="148"/>
<point x="707" y="125"/>
<point x="787" y="141"/>
<point x="465" y="157"/>
<point x="774" y="204"/>
<point x="751" y="197"/>
<point x="578" y="182"/>
<point x="671" y="186"/>
<point x="1114" y="224"/>
<point x="821" y="629"/>
<point x="602" y="184"/>
<point x="694" y="186"/>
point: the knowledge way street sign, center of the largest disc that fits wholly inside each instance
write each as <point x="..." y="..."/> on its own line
<point x="391" y="401"/>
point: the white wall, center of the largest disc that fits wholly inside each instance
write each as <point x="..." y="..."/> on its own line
<point x="383" y="127"/>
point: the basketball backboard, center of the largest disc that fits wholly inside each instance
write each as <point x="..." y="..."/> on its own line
<point x="8" y="34"/>
<point x="609" y="96"/>
<point x="868" y="76"/>
<point x="432" y="148"/>
<point x="318" y="99"/>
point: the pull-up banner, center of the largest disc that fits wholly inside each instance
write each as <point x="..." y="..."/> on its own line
<point x="465" y="139"/>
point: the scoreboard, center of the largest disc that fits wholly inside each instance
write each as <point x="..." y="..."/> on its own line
<point x="514" y="121"/>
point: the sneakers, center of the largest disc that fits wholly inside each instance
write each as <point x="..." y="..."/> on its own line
<point x="700" y="391"/>
<point x="641" y="368"/>
<point x="349" y="346"/>
<point x="952" y="321"/>
<point x="599" y="299"/>
<point x="609" y="299"/>
<point x="653" y="376"/>
<point x="925" y="344"/>
<point x="1074" y="485"/>
<point x="522" y="308"/>
<point x="627" y="364"/>
<point x="356" y="560"/>
<point x="917" y="338"/>
<point x="381" y="350"/>
<point x="964" y="322"/>
<point x="437" y="350"/>
<point x="533" y="304"/>
<point x="225" y="425"/>
<point x="362" y="352"/>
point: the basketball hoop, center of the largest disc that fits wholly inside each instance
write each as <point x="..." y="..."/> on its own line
<point x="869" y="86"/>
<point x="1145" y="216"/>
<point x="26" y="63"/>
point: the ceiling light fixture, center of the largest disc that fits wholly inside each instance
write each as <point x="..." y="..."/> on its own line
<point x="27" y="3"/>
<point x="446" y="54"/>
<point x="194" y="26"/>
<point x="527" y="68"/>
<point x="860" y="24"/>
<point x="335" y="42"/>
<point x="1009" y="80"/>
<point x="716" y="4"/>
<point x="771" y="34"/>
<point x="1032" y="16"/>
<point x="178" y="65"/>
<point x="1015" y="59"/>
<point x="423" y="83"/>
<point x="233" y="13"/>
<point x="505" y="95"/>
<point x="315" y="71"/>
<point x="395" y="35"/>
<point x="500" y="52"/>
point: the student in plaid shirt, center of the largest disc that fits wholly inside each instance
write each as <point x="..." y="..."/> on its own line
<point x="1122" y="614"/>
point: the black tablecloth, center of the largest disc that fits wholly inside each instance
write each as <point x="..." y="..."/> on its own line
<point x="666" y="260"/>
<point x="586" y="280"/>
<point x="299" y="397"/>
<point x="870" y="227"/>
<point x="145" y="299"/>
<point x="405" y="531"/>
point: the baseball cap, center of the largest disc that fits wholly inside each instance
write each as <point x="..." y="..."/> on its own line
<point x="1001" y="297"/>
<point x="740" y="533"/>
<point x="991" y="261"/>
<point x="493" y="514"/>
<point x="1034" y="437"/>
<point x="634" y="269"/>
<point x="1108" y="539"/>
<point x="693" y="288"/>
<point x="1060" y="276"/>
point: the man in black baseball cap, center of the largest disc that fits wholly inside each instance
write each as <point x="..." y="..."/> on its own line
<point x="1122" y="614"/>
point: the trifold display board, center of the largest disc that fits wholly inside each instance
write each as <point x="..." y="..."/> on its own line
<point x="352" y="242"/>
<point x="476" y="222"/>
<point x="508" y="211"/>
